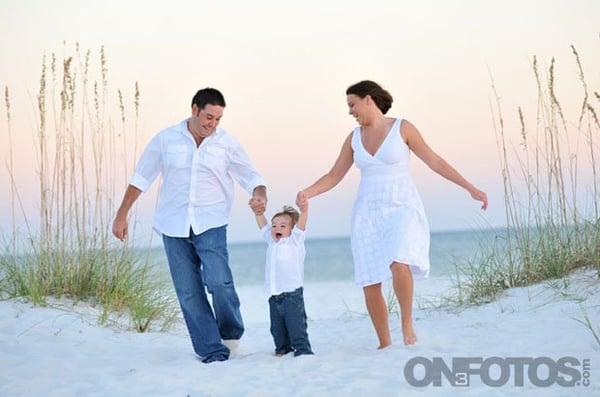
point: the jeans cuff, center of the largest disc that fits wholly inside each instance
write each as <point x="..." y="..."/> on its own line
<point x="218" y="357"/>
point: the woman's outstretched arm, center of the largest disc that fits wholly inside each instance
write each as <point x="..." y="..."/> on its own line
<point x="417" y="144"/>
<point x="333" y="177"/>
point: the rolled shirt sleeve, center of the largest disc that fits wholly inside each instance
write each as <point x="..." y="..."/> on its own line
<point x="243" y="171"/>
<point x="148" y="166"/>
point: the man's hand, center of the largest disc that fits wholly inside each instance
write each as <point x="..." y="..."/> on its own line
<point x="120" y="226"/>
<point x="258" y="205"/>
<point x="258" y="202"/>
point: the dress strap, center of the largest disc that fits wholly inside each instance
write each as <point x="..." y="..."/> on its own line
<point x="355" y="136"/>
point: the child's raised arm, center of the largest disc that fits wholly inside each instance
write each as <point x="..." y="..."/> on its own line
<point x="303" y="216"/>
<point x="261" y="220"/>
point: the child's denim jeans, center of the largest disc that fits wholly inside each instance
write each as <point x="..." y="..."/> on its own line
<point x="288" y="323"/>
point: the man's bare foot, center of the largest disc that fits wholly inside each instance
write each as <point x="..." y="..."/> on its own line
<point x="383" y="346"/>
<point x="410" y="338"/>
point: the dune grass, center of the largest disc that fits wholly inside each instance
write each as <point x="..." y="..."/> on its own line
<point x="82" y="153"/>
<point x="548" y="232"/>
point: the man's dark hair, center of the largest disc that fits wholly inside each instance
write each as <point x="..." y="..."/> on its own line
<point x="208" y="96"/>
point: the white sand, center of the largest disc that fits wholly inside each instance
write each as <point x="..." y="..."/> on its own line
<point x="62" y="352"/>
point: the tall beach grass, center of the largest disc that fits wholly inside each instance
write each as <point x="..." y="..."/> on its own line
<point x="66" y="249"/>
<point x="549" y="232"/>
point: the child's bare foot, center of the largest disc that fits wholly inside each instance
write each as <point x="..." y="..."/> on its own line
<point x="410" y="338"/>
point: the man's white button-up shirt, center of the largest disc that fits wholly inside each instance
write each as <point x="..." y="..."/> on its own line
<point x="197" y="186"/>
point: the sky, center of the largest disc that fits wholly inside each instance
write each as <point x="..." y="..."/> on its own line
<point x="284" y="68"/>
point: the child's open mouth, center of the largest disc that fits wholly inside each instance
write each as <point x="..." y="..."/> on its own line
<point x="278" y="235"/>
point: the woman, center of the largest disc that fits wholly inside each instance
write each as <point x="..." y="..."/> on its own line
<point x="389" y="235"/>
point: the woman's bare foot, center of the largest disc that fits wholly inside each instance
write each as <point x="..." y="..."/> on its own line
<point x="410" y="338"/>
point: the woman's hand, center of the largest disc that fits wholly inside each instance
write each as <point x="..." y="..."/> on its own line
<point x="479" y="196"/>
<point x="303" y="206"/>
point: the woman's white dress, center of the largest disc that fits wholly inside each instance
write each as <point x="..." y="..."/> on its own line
<point x="388" y="218"/>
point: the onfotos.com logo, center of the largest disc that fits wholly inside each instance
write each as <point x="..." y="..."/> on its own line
<point x="499" y="371"/>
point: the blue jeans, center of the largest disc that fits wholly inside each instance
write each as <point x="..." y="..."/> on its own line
<point x="288" y="323"/>
<point x="200" y="261"/>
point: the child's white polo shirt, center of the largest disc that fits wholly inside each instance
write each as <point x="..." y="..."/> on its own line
<point x="284" y="268"/>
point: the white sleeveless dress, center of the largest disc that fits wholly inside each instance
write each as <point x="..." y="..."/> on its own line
<point x="388" y="218"/>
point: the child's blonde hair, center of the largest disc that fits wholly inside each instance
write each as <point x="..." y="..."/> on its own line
<point x="289" y="211"/>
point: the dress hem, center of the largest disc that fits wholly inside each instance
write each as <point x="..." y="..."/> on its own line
<point x="420" y="275"/>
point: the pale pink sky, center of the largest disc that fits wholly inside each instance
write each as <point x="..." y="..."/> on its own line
<point x="284" y="69"/>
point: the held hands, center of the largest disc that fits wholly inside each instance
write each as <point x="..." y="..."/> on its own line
<point x="258" y="204"/>
<point x="302" y="201"/>
<point x="303" y="205"/>
<point x="479" y="196"/>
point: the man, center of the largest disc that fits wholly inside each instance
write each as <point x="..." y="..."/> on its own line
<point x="198" y="162"/>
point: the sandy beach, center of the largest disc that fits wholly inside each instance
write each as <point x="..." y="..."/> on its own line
<point x="60" y="351"/>
<point x="460" y="138"/>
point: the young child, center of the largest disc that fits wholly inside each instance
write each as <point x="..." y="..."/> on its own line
<point x="284" y="274"/>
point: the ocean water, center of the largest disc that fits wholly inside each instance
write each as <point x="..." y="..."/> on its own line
<point x="330" y="259"/>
